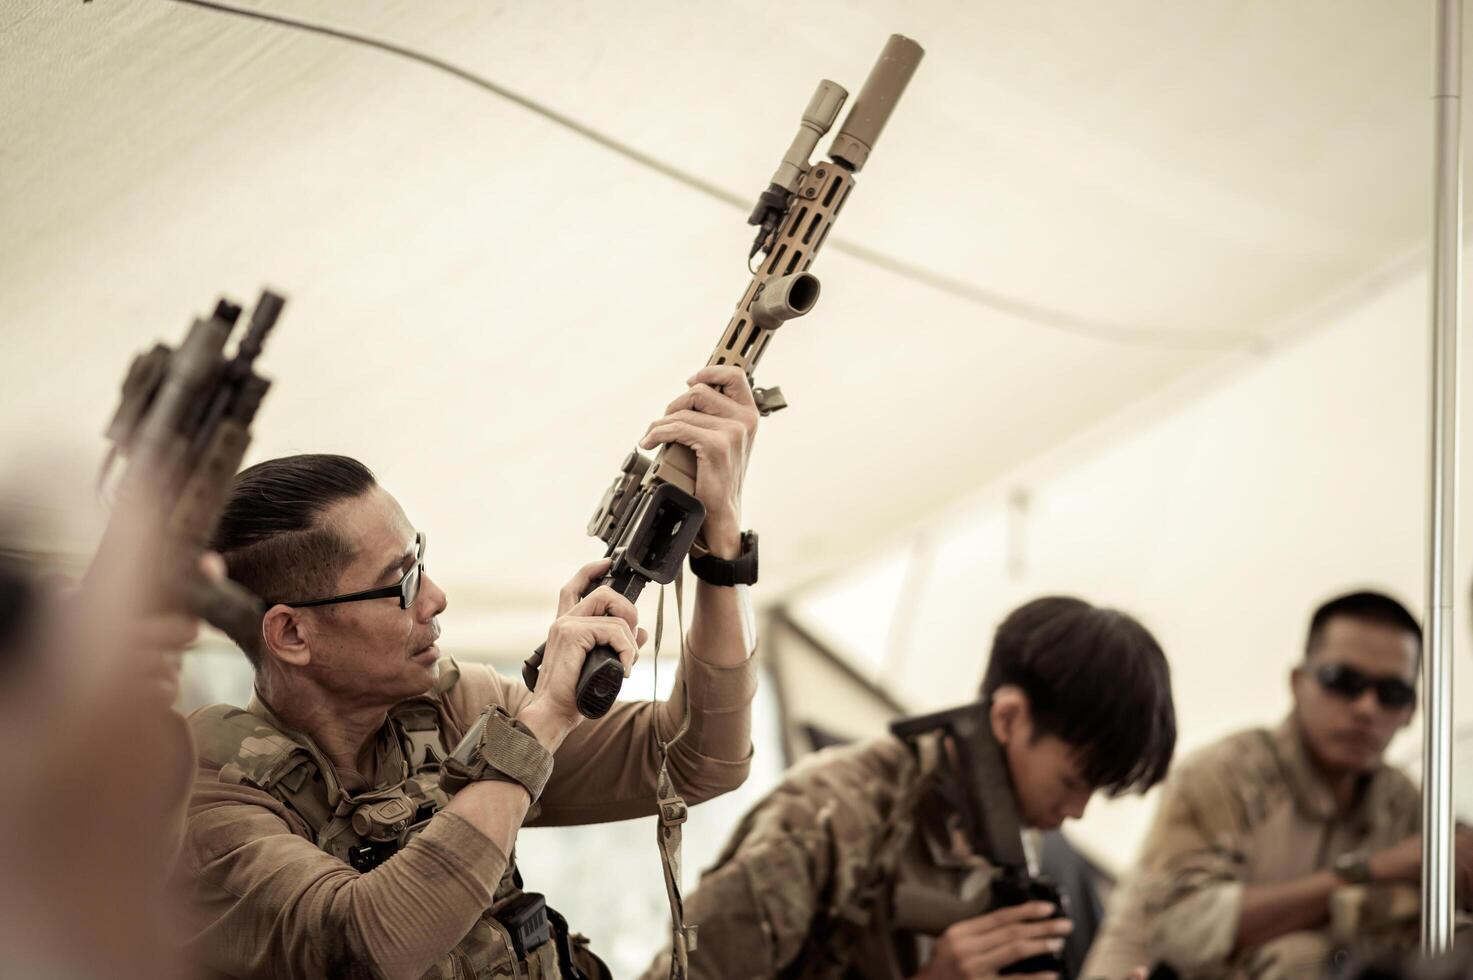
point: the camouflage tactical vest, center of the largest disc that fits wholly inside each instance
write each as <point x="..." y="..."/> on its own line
<point x="512" y="939"/>
<point x="854" y="937"/>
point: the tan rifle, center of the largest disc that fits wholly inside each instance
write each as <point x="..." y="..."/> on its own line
<point x="650" y="517"/>
<point x="183" y="427"/>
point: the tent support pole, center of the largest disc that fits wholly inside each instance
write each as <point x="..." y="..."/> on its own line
<point x="1447" y="240"/>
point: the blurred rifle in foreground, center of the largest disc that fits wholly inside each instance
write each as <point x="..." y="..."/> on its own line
<point x="183" y="427"/>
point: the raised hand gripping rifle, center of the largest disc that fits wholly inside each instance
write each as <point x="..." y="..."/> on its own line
<point x="983" y="797"/>
<point x="649" y="518"/>
<point x="183" y="426"/>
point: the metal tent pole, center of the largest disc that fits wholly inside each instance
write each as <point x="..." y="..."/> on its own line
<point x="1447" y="241"/>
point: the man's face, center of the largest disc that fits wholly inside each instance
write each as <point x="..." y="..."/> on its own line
<point x="372" y="651"/>
<point x="1048" y="780"/>
<point x="1350" y="734"/>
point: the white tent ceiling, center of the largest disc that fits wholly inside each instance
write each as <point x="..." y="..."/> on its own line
<point x="488" y="308"/>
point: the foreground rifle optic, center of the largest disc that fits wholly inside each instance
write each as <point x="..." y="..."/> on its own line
<point x="649" y="518"/>
<point x="183" y="426"/>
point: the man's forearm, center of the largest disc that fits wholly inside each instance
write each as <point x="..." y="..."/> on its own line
<point x="718" y="630"/>
<point x="281" y="908"/>
<point x="1270" y="911"/>
<point x="718" y="626"/>
<point x="496" y="807"/>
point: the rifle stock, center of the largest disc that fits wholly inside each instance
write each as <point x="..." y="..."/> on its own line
<point x="992" y="825"/>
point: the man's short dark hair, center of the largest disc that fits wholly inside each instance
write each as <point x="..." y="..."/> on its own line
<point x="1368" y="607"/>
<point x="272" y="533"/>
<point x="1096" y="679"/>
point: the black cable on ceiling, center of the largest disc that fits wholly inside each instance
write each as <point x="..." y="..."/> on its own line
<point x="1113" y="333"/>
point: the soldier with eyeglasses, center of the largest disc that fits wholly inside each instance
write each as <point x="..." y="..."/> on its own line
<point x="358" y="818"/>
<point x="1275" y="850"/>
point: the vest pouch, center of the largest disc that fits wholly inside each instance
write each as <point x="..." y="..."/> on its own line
<point x="585" y="961"/>
<point x="525" y="920"/>
<point x="575" y="960"/>
<point x="486" y="953"/>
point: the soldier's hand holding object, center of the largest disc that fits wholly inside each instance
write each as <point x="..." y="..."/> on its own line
<point x="602" y="618"/>
<point x="976" y="949"/>
<point x="716" y="418"/>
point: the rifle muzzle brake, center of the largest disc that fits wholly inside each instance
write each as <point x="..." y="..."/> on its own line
<point x="783" y="298"/>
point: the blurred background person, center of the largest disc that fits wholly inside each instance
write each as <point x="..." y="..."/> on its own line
<point x="1275" y="847"/>
<point x="96" y="760"/>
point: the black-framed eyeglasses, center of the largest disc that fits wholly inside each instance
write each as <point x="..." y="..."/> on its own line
<point x="407" y="588"/>
<point x="1349" y="683"/>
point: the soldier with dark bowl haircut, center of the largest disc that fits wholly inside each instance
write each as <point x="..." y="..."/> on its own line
<point x="1276" y="847"/>
<point x="1078" y="699"/>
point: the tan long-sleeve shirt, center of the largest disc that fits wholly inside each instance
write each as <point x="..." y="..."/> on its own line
<point x="271" y="904"/>
<point x="1249" y="810"/>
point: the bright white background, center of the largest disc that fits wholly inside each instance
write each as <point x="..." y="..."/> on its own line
<point x="1160" y="344"/>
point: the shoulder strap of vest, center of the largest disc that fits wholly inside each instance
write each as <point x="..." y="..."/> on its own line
<point x="230" y="737"/>
<point x="248" y="749"/>
<point x="421" y="720"/>
<point x="419" y="723"/>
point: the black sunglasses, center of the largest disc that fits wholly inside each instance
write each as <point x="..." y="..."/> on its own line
<point x="1349" y="683"/>
<point x="407" y="588"/>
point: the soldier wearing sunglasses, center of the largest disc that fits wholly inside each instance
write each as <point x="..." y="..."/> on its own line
<point x="359" y="816"/>
<point x="1275" y="848"/>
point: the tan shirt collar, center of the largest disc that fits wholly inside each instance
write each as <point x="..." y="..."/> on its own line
<point x="1312" y="792"/>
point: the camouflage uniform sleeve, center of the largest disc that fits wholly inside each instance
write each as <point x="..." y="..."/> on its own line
<point x="1193" y="863"/>
<point x="794" y="856"/>
<point x="1120" y="943"/>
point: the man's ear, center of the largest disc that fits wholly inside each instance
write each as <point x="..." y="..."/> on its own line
<point x="1009" y="714"/>
<point x="1296" y="677"/>
<point x="284" y="636"/>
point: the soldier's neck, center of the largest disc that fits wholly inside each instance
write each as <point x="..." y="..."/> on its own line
<point x="1345" y="785"/>
<point x="345" y="732"/>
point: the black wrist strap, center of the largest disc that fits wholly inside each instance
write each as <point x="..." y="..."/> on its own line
<point x="718" y="571"/>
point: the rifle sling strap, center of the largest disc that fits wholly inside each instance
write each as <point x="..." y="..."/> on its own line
<point x="672" y="808"/>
